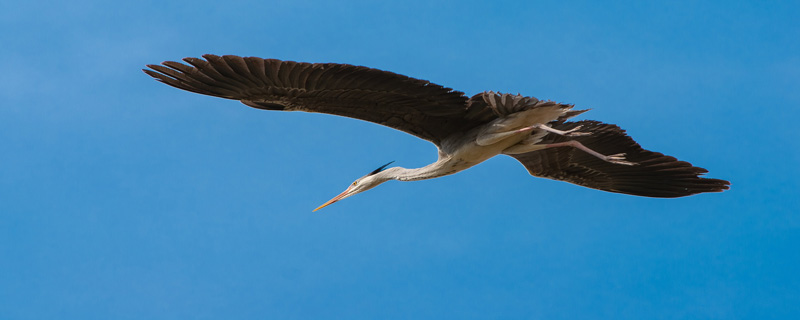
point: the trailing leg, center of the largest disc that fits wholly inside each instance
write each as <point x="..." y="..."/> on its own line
<point x="618" y="158"/>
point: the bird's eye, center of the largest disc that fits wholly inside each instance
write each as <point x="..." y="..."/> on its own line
<point x="355" y="183"/>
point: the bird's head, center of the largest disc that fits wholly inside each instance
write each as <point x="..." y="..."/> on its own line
<point x="369" y="181"/>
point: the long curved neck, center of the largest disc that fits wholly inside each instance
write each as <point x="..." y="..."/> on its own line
<point x="433" y="170"/>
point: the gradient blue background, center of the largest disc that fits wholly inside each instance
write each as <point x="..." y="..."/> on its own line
<point x="123" y="198"/>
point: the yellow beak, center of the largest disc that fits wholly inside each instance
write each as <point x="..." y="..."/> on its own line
<point x="336" y="198"/>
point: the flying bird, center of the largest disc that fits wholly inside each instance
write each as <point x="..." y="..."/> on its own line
<point x="466" y="130"/>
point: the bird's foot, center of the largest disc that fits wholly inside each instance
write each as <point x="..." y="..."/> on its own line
<point x="618" y="158"/>
<point x="570" y="133"/>
<point x="575" y="133"/>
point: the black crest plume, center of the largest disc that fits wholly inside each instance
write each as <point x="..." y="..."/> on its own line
<point x="380" y="169"/>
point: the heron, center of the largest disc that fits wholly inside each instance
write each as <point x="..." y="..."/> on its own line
<point x="465" y="130"/>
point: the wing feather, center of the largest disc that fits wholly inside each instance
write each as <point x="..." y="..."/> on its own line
<point x="655" y="175"/>
<point x="419" y="107"/>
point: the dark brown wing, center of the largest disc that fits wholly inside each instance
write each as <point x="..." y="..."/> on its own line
<point x="415" y="106"/>
<point x="655" y="174"/>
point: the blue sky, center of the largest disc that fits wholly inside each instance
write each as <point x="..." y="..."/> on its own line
<point x="123" y="198"/>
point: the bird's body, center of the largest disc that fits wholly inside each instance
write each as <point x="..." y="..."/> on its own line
<point x="463" y="150"/>
<point x="466" y="131"/>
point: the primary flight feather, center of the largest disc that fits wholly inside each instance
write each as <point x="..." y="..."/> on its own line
<point x="467" y="131"/>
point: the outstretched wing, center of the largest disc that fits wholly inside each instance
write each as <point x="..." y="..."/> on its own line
<point x="655" y="175"/>
<point x="418" y="107"/>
